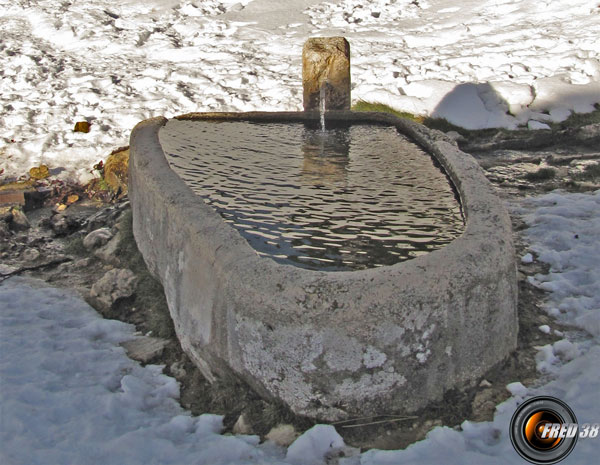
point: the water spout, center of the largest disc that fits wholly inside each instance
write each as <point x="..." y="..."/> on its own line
<point x="322" y="98"/>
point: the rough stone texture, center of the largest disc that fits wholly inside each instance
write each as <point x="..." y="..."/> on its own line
<point x="145" y="349"/>
<point x="114" y="285"/>
<point x="108" y="253"/>
<point x="19" y="220"/>
<point x="97" y="238"/>
<point x="330" y="344"/>
<point x="326" y="61"/>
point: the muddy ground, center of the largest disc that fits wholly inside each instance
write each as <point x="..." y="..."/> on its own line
<point x="52" y="248"/>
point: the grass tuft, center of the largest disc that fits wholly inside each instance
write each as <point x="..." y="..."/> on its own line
<point x="543" y="174"/>
<point x="362" y="105"/>
<point x="576" y="120"/>
<point x="75" y="246"/>
<point x="589" y="173"/>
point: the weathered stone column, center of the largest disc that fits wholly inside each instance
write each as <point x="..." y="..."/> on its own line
<point x="326" y="62"/>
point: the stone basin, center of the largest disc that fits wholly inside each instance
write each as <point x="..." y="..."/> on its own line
<point x="330" y="344"/>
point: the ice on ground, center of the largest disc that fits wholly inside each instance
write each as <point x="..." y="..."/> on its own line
<point x="479" y="64"/>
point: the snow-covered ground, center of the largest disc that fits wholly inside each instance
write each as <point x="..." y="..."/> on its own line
<point x="478" y="63"/>
<point x="69" y="394"/>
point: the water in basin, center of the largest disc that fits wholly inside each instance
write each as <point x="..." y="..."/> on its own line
<point x="343" y="199"/>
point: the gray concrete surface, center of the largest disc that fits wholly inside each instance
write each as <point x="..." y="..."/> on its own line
<point x="330" y="344"/>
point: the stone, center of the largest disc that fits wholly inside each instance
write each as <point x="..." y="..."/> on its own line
<point x="19" y="220"/>
<point x="178" y="370"/>
<point x="82" y="126"/>
<point x="108" y="253"/>
<point x="6" y="270"/>
<point x="455" y="136"/>
<point x="588" y="133"/>
<point x="326" y="62"/>
<point x="82" y="263"/>
<point x="282" y="435"/>
<point x="484" y="405"/>
<point x="115" y="171"/>
<point x="104" y="217"/>
<point x="485" y="384"/>
<point x="145" y="349"/>
<point x="30" y="255"/>
<point x="97" y="238"/>
<point x="63" y="223"/>
<point x="311" y="331"/>
<point x="114" y="285"/>
<point x="242" y="426"/>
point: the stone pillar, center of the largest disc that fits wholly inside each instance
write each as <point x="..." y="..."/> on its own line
<point x="326" y="62"/>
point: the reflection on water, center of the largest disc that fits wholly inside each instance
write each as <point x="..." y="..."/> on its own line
<point x="325" y="156"/>
<point x="344" y="199"/>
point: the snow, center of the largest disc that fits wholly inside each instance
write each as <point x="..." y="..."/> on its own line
<point x="69" y="394"/>
<point x="527" y="258"/>
<point x="567" y="228"/>
<point x="483" y="63"/>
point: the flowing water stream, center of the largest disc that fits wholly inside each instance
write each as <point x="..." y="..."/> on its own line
<point x="342" y="199"/>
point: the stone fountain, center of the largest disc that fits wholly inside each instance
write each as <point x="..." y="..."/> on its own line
<point x="329" y="343"/>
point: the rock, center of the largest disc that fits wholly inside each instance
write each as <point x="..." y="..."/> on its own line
<point x="19" y="220"/>
<point x="30" y="255"/>
<point x="178" y="370"/>
<point x="485" y="384"/>
<point x="108" y="253"/>
<point x="104" y="218"/>
<point x="588" y="133"/>
<point x="114" y="285"/>
<point x="455" y="136"/>
<point x="82" y="126"/>
<point x="483" y="405"/>
<point x="326" y="61"/>
<point x="242" y="426"/>
<point x="82" y="263"/>
<point x="145" y="349"/>
<point x="6" y="270"/>
<point x="282" y="435"/>
<point x="97" y="238"/>
<point x="5" y="215"/>
<point x="63" y="224"/>
<point x="116" y="171"/>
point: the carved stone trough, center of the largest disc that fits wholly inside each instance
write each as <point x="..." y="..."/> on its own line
<point x="330" y="344"/>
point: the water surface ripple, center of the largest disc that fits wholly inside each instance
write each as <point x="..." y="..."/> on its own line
<point x="343" y="199"/>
